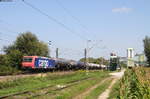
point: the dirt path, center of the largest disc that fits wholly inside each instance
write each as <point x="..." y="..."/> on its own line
<point x="85" y="93"/>
<point x="116" y="76"/>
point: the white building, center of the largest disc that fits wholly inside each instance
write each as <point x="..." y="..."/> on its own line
<point x="130" y="57"/>
<point x="130" y="53"/>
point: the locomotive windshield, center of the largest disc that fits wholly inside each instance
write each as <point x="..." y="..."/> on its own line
<point x="27" y="59"/>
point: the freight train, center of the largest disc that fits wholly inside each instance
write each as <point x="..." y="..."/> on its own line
<point x="37" y="62"/>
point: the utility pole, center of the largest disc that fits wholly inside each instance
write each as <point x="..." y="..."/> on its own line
<point x="87" y="52"/>
<point x="85" y="57"/>
<point x="49" y="43"/>
<point x="102" y="60"/>
<point x="56" y="52"/>
<point x="0" y="46"/>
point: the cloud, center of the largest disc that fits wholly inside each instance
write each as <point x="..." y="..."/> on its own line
<point x="122" y="10"/>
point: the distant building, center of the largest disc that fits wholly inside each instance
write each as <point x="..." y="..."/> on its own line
<point x="140" y="59"/>
<point x="130" y="57"/>
<point x="123" y="60"/>
<point x="133" y="59"/>
<point x="130" y="53"/>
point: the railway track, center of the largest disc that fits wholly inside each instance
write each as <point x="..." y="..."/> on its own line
<point x="70" y="84"/>
<point x="30" y="74"/>
<point x="50" y="88"/>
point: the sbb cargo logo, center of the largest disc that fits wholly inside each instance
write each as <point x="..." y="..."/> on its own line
<point x="43" y="63"/>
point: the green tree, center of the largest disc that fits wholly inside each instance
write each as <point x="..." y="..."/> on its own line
<point x="100" y="60"/>
<point x="28" y="44"/>
<point x="3" y="59"/>
<point x="25" y="44"/>
<point x="90" y="60"/>
<point x="147" y="48"/>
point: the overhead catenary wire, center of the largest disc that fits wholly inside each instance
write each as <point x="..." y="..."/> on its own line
<point x="83" y="26"/>
<point x="65" y="51"/>
<point x="2" y="21"/>
<point x="55" y="20"/>
<point x="7" y="29"/>
<point x="8" y="34"/>
<point x="85" y="29"/>
<point x="94" y="45"/>
<point x="5" y="40"/>
<point x="2" y="39"/>
<point x="4" y="36"/>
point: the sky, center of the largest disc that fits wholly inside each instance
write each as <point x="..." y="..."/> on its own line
<point x="108" y="25"/>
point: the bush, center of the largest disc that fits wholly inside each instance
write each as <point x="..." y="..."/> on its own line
<point x="15" y="59"/>
<point x="8" y="64"/>
<point x="7" y="70"/>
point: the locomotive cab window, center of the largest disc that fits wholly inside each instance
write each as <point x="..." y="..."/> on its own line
<point x="27" y="59"/>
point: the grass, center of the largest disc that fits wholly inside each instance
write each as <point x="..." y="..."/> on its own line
<point x="97" y="91"/>
<point x="32" y="83"/>
<point x="73" y="91"/>
<point x="114" y="93"/>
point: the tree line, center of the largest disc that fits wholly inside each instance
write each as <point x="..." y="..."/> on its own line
<point x="99" y="60"/>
